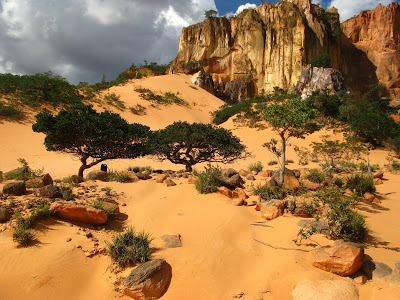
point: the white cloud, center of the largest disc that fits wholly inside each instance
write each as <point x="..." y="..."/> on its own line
<point x="245" y="6"/>
<point x="349" y="8"/>
<point x="83" y="39"/>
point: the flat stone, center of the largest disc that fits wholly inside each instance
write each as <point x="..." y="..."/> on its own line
<point x="172" y="241"/>
<point x="376" y="270"/>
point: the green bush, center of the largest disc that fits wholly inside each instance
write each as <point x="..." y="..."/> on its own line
<point x="22" y="235"/>
<point x="209" y="180"/>
<point x="257" y="166"/>
<point x="272" y="163"/>
<point x="114" y="100"/>
<point x="99" y="204"/>
<point x="316" y="175"/>
<point x="119" y="176"/>
<point x="268" y="193"/>
<point x="361" y="184"/>
<point x="141" y="169"/>
<point x="138" y="109"/>
<point x="129" y="248"/>
<point x="10" y="112"/>
<point x="321" y="61"/>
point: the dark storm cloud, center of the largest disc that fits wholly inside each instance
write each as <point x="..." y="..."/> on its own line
<point x="83" y="39"/>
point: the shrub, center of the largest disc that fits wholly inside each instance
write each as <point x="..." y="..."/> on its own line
<point x="119" y="176"/>
<point x="363" y="167"/>
<point x="114" y="100"/>
<point x="209" y="180"/>
<point x="141" y="169"/>
<point x="268" y="193"/>
<point x="22" y="235"/>
<point x="316" y="175"/>
<point x="361" y="184"/>
<point x="99" y="204"/>
<point x="10" y="112"/>
<point x="129" y="248"/>
<point x="138" y="109"/>
<point x="258" y="167"/>
<point x="272" y="163"/>
<point x="321" y="61"/>
<point x="289" y="161"/>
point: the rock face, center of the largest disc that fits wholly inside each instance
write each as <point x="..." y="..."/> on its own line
<point x="377" y="33"/>
<point x="341" y="259"/>
<point x="325" y="289"/>
<point x="80" y="213"/>
<point x="149" y="281"/>
<point x="313" y="78"/>
<point x="272" y="44"/>
<point x="204" y="80"/>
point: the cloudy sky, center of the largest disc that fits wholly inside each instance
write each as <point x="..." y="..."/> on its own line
<point x="84" y="39"/>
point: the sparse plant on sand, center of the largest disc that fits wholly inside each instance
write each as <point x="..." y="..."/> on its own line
<point x="209" y="180"/>
<point x="129" y="248"/>
<point x="257" y="166"/>
<point x="88" y="134"/>
<point x="361" y="184"/>
<point x="138" y="109"/>
<point x="119" y="176"/>
<point x="114" y="100"/>
<point x="100" y="204"/>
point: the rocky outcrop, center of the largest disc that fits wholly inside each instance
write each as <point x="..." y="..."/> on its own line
<point x="313" y="78"/>
<point x="377" y="33"/>
<point x="269" y="45"/>
<point x="204" y="80"/>
<point x="149" y="281"/>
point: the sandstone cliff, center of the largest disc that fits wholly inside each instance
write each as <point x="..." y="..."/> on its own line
<point x="271" y="45"/>
<point x="377" y="33"/>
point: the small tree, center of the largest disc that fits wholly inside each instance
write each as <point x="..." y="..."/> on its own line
<point x="190" y="144"/>
<point x="321" y="61"/>
<point x="210" y="13"/>
<point x="293" y="118"/>
<point x="88" y="134"/>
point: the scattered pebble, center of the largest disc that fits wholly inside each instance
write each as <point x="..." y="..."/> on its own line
<point x="68" y="240"/>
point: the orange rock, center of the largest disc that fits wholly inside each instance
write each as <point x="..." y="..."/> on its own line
<point x="273" y="209"/>
<point x="369" y="197"/>
<point x="378" y="175"/>
<point x="265" y="174"/>
<point x="192" y="179"/>
<point x="241" y="194"/>
<point x="225" y="191"/>
<point x="75" y="212"/>
<point x="237" y="202"/>
<point x="243" y="173"/>
<point x="343" y="259"/>
<point x="378" y="181"/>
<point x="161" y="178"/>
<point x="291" y="183"/>
<point x="259" y="206"/>
<point x="312" y="186"/>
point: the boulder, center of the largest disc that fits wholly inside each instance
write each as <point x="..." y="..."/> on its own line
<point x="97" y="175"/>
<point x="291" y="183"/>
<point x="237" y="202"/>
<point x="325" y="290"/>
<point x="376" y="270"/>
<point x="378" y="181"/>
<point x="40" y="181"/>
<point x="225" y="191"/>
<point x="77" y="179"/>
<point x="395" y="280"/>
<point x="149" y="281"/>
<point x="243" y="172"/>
<point x="172" y="241"/>
<point x="80" y="213"/>
<point x="111" y="205"/>
<point x="18" y="172"/>
<point x="50" y="191"/>
<point x="378" y="175"/>
<point x="16" y="188"/>
<point x="265" y="173"/>
<point x="169" y="182"/>
<point x="46" y="179"/>
<point x="340" y="259"/>
<point x="241" y="194"/>
<point x="4" y="214"/>
<point x="314" y="78"/>
<point x="302" y="212"/>
<point x="233" y="181"/>
<point x="311" y="186"/>
<point x="290" y="205"/>
<point x="369" y="197"/>
<point x="229" y="172"/>
<point x="250" y="177"/>
<point x="204" y="80"/>
<point x="145" y="175"/>
<point x="273" y="209"/>
<point x="161" y="178"/>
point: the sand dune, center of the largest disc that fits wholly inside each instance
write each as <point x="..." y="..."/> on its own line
<point x="220" y="256"/>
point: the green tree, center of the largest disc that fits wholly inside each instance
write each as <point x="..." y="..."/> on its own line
<point x="91" y="135"/>
<point x="190" y="144"/>
<point x="210" y="13"/>
<point x="321" y="61"/>
<point x="293" y="118"/>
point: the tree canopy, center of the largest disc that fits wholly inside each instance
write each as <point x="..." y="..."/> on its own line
<point x="190" y="144"/>
<point x="210" y="13"/>
<point x="293" y="118"/>
<point x="86" y="133"/>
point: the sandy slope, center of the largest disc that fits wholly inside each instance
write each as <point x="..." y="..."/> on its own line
<point x="219" y="257"/>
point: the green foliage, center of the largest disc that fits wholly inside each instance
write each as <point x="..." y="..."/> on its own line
<point x="114" y="100"/>
<point x="361" y="184"/>
<point x="257" y="166"/>
<point x="369" y="116"/>
<point x="321" y="61"/>
<point x="268" y="193"/>
<point x="10" y="112"/>
<point x="66" y="190"/>
<point x="129" y="248"/>
<point x="155" y="67"/>
<point x="166" y="99"/>
<point x="141" y="169"/>
<point x="272" y="163"/>
<point x="108" y="191"/>
<point x="138" y="109"/>
<point x="119" y="176"/>
<point x="34" y="90"/>
<point x="99" y="204"/>
<point x="22" y="235"/>
<point x="84" y="132"/>
<point x="190" y="144"/>
<point x="209" y="180"/>
<point x="327" y="104"/>
<point x="210" y="13"/>
<point x="193" y="87"/>
<point x="316" y="175"/>
<point x="332" y="21"/>
<point x="192" y="67"/>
